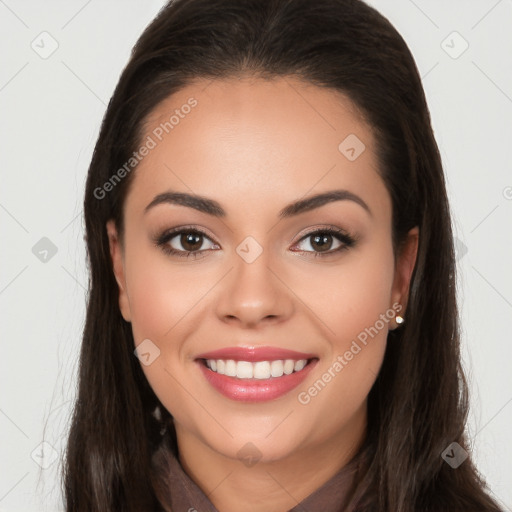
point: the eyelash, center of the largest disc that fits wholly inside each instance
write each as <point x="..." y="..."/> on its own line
<point x="162" y="241"/>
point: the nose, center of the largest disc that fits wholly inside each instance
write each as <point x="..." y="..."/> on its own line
<point x="253" y="294"/>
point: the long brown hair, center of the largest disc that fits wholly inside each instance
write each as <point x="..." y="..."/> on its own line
<point x="419" y="403"/>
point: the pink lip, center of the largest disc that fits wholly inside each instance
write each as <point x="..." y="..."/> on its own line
<point x="255" y="354"/>
<point x="255" y="390"/>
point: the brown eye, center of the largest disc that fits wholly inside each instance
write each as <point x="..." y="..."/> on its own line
<point x="325" y="241"/>
<point x="191" y="241"/>
<point x="185" y="242"/>
<point x="322" y="242"/>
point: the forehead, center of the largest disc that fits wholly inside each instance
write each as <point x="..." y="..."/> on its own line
<point x="251" y="140"/>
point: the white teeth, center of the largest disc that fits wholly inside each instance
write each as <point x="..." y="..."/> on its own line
<point x="258" y="370"/>
<point x="230" y="368"/>
<point x="262" y="370"/>
<point x="244" y="370"/>
<point x="276" y="368"/>
<point x="288" y="366"/>
<point x="299" y="365"/>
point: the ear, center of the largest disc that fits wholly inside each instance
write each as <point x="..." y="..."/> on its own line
<point x="116" y="253"/>
<point x="404" y="266"/>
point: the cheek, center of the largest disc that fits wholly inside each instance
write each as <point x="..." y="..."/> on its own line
<point x="349" y="296"/>
<point x="162" y="295"/>
<point x="167" y="304"/>
<point x="364" y="294"/>
<point x="164" y="302"/>
<point x="351" y="303"/>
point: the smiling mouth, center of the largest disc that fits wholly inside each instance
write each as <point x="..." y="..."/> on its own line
<point x="245" y="370"/>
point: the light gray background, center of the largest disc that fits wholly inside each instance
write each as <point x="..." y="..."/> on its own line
<point x="51" y="110"/>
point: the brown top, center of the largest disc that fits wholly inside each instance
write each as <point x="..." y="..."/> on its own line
<point x="184" y="494"/>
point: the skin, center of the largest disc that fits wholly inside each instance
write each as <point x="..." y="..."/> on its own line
<point x="255" y="146"/>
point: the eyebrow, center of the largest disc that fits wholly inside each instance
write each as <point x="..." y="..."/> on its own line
<point x="212" y="207"/>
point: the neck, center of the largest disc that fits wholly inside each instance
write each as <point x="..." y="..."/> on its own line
<point x="268" y="485"/>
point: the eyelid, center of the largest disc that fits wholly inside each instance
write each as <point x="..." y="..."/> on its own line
<point x="168" y="233"/>
<point x="323" y="228"/>
<point x="344" y="237"/>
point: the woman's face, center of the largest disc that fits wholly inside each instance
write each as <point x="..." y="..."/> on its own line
<point x="267" y="284"/>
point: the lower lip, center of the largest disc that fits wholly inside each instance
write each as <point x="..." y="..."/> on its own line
<point x="255" y="390"/>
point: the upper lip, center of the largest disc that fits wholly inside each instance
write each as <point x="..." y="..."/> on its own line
<point x="254" y="354"/>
